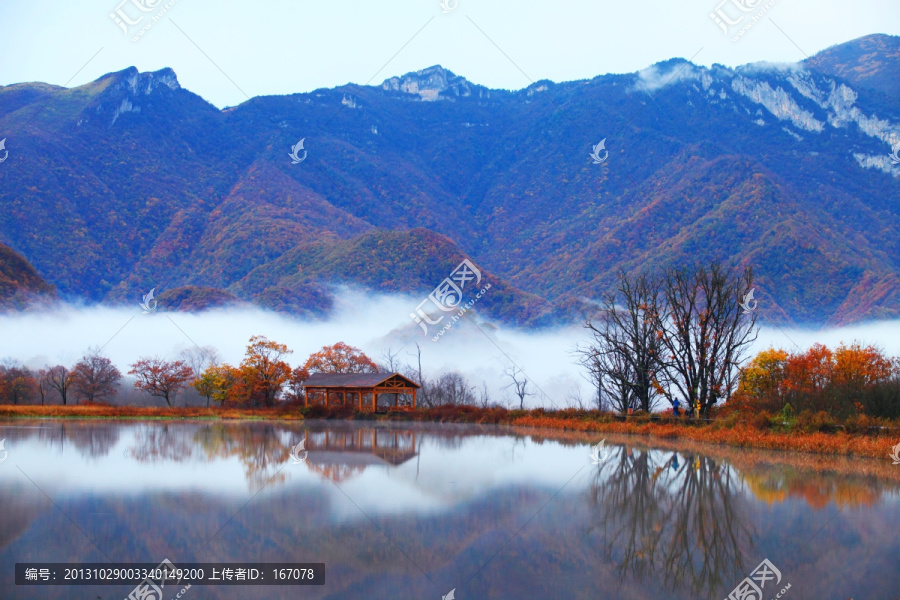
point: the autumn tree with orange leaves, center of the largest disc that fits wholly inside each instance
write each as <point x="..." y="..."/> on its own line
<point x="161" y="378"/>
<point x="849" y="381"/>
<point x="222" y="384"/>
<point x="340" y="358"/>
<point x="264" y="372"/>
<point x="295" y="384"/>
<point x="762" y="382"/>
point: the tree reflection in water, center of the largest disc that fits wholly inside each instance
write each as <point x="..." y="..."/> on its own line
<point x="93" y="439"/>
<point x="265" y="448"/>
<point x="678" y="518"/>
<point x="262" y="449"/>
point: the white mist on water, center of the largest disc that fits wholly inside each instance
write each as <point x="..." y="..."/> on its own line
<point x="373" y="323"/>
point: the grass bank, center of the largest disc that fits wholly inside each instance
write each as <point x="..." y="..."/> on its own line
<point x="102" y="411"/>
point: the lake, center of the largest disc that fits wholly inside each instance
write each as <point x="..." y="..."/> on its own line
<point x="401" y="511"/>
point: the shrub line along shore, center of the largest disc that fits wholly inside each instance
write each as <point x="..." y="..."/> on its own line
<point x="874" y="444"/>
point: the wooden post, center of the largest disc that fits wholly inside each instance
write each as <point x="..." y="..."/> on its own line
<point x="343" y="398"/>
<point x="414" y="398"/>
<point x="374" y="400"/>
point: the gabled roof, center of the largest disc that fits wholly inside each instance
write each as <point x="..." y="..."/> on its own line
<point x="354" y="380"/>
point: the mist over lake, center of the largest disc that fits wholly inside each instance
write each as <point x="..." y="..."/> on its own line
<point x="371" y="322"/>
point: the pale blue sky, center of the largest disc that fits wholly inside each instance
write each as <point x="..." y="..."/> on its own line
<point x="286" y="46"/>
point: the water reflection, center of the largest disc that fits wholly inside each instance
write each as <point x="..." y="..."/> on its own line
<point x="262" y="450"/>
<point x="340" y="455"/>
<point x="817" y="489"/>
<point x="682" y="516"/>
<point x="93" y="439"/>
<point x="395" y="509"/>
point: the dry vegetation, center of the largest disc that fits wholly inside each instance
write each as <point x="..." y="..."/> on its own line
<point x="105" y="411"/>
<point x="739" y="434"/>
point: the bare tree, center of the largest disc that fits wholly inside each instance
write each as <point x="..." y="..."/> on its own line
<point x="624" y="356"/>
<point x="390" y="362"/>
<point x="519" y="384"/>
<point x="425" y="400"/>
<point x="611" y="374"/>
<point x="199" y="358"/>
<point x="43" y="388"/>
<point x="574" y="399"/>
<point x="484" y="398"/>
<point x="593" y="373"/>
<point x="614" y="375"/>
<point x="95" y="378"/>
<point x="60" y="379"/>
<point x="452" y="389"/>
<point x="705" y="332"/>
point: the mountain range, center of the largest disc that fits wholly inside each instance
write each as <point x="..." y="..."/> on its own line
<point x="132" y="182"/>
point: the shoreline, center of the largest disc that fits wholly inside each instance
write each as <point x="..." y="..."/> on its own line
<point x="716" y="433"/>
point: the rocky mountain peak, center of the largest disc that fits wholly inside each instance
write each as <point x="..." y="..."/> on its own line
<point x="144" y="83"/>
<point x="434" y="83"/>
<point x="126" y="89"/>
<point x="136" y="83"/>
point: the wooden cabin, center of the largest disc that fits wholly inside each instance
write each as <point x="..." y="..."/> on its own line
<point x="362" y="390"/>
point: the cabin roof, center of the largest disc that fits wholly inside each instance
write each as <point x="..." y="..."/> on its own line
<point x="354" y="380"/>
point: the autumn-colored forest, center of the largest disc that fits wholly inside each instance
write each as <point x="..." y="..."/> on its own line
<point x="840" y="401"/>
<point x="852" y="387"/>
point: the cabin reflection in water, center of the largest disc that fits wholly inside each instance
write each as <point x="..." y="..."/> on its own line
<point x="339" y="455"/>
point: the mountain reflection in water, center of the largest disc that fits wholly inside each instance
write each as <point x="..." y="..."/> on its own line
<point x="413" y="510"/>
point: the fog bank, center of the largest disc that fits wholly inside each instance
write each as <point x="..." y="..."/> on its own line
<point x="478" y="349"/>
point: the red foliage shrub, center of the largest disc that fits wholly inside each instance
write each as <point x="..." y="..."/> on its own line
<point x="761" y="420"/>
<point x="819" y="421"/>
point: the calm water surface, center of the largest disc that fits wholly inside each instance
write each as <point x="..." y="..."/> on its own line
<point x="400" y="511"/>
